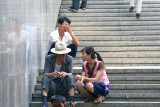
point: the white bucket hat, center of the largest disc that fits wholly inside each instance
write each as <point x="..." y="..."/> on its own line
<point x="60" y="48"/>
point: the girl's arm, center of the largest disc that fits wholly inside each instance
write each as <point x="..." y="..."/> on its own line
<point x="79" y="77"/>
<point x="96" y="79"/>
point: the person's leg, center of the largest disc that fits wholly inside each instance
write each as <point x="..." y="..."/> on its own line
<point x="71" y="88"/>
<point x="99" y="90"/>
<point x="131" y="5"/>
<point x="90" y="87"/>
<point x="82" y="88"/>
<point x="71" y="93"/>
<point x="83" y="5"/>
<point x="73" y="48"/>
<point x="138" y="8"/>
<point x="75" y="5"/>
<point x="46" y="83"/>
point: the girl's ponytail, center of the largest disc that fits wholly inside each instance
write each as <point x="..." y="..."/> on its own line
<point x="90" y="50"/>
<point x="98" y="56"/>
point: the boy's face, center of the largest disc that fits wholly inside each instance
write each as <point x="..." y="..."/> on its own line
<point x="58" y="104"/>
<point x="63" y="26"/>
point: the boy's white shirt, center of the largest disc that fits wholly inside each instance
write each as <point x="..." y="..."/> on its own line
<point x="54" y="36"/>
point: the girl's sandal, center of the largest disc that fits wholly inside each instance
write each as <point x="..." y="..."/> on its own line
<point x="99" y="100"/>
<point x="87" y="100"/>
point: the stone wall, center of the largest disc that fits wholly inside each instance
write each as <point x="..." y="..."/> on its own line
<point x="24" y="27"/>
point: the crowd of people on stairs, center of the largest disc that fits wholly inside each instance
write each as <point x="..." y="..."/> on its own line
<point x="58" y="76"/>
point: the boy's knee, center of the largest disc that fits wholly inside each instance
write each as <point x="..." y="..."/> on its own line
<point x="71" y="82"/>
<point x="45" y="78"/>
<point x="70" y="79"/>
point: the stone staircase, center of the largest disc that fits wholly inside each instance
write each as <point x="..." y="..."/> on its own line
<point x="130" y="87"/>
<point x="124" y="42"/>
<point x="121" y="39"/>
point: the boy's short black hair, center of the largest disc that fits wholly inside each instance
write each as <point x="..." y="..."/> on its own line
<point x="62" y="19"/>
<point x="58" y="98"/>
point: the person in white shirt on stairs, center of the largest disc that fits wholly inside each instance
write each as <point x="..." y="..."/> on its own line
<point x="63" y="33"/>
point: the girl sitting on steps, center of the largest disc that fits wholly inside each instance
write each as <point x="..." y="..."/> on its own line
<point x="93" y="82"/>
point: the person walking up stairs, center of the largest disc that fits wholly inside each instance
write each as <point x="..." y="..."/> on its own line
<point x="138" y="8"/>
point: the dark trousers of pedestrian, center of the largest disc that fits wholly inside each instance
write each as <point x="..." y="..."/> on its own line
<point x="75" y="4"/>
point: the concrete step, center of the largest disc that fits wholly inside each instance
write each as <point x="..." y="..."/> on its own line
<point x="114" y="97"/>
<point x="125" y="49"/>
<point x="124" y="86"/>
<point x="115" y="19"/>
<point x="106" y="2"/>
<point x="118" y="23"/>
<point x="154" y="54"/>
<point x="144" y="70"/>
<point x="123" y="71"/>
<point x="116" y="28"/>
<point x="125" y="62"/>
<point x="126" y="10"/>
<point x="107" y="104"/>
<point x="120" y="38"/>
<point x="114" y="63"/>
<point x="90" y="6"/>
<point x="125" y="91"/>
<point x="144" y="14"/>
<point x="110" y="75"/>
<point x="125" y="79"/>
<point x="119" y="43"/>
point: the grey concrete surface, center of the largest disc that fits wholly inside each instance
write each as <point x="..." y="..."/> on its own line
<point x="23" y="36"/>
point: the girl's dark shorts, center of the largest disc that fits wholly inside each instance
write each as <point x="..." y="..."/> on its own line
<point x="99" y="89"/>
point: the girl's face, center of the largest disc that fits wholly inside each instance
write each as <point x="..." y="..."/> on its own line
<point x="85" y="56"/>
